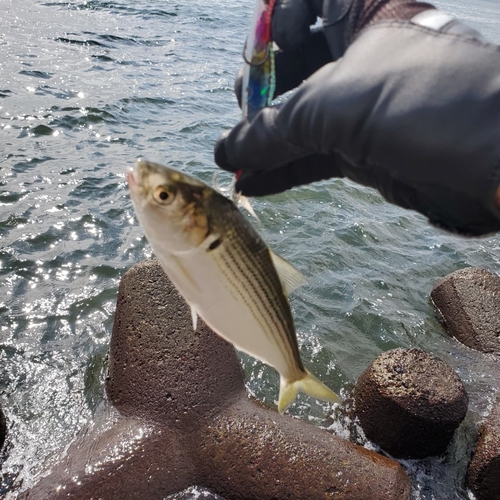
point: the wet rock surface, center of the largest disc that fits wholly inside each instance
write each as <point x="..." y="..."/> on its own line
<point x="269" y="457"/>
<point x="186" y="419"/>
<point x="469" y="303"/>
<point x="410" y="403"/>
<point x="484" y="468"/>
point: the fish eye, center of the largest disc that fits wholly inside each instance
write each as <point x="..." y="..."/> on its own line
<point x="163" y="195"/>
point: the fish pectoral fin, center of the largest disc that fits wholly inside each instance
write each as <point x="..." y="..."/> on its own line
<point x="291" y="278"/>
<point x="309" y="385"/>
<point x="194" y="317"/>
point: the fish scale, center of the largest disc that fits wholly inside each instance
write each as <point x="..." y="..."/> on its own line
<point x="224" y="271"/>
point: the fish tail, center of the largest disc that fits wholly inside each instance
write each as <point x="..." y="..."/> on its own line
<point x="309" y="385"/>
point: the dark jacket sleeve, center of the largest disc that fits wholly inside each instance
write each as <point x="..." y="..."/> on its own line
<point x="409" y="111"/>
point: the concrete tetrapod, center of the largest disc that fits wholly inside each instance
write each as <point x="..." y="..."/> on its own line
<point x="484" y="469"/>
<point x="410" y="403"/>
<point x="186" y="419"/>
<point x="469" y="303"/>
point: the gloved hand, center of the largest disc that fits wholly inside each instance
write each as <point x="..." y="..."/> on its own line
<point x="420" y="126"/>
<point x="265" y="161"/>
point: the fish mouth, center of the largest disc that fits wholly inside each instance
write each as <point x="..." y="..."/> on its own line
<point x="131" y="179"/>
<point x="135" y="179"/>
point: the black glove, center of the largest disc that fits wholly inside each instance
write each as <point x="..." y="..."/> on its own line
<point x="269" y="162"/>
<point x="420" y="125"/>
<point x="309" y="169"/>
<point x="291" y="21"/>
<point x="273" y="146"/>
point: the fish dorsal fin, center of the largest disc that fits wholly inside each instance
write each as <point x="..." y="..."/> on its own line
<point x="245" y="203"/>
<point x="194" y="317"/>
<point x="290" y="277"/>
<point x="230" y="191"/>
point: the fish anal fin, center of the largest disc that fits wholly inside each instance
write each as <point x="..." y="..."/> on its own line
<point x="291" y="278"/>
<point x="309" y="385"/>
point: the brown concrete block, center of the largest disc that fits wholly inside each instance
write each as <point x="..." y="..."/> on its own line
<point x="123" y="459"/>
<point x="484" y="469"/>
<point x="186" y="419"/>
<point x="159" y="368"/>
<point x="410" y="403"/>
<point x="469" y="303"/>
<point x="257" y="454"/>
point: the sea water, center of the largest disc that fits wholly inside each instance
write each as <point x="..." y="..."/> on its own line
<point x="88" y="86"/>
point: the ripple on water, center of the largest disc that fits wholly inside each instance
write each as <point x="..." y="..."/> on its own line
<point x="144" y="11"/>
<point x="37" y="74"/>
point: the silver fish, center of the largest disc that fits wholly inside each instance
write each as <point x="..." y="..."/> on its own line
<point x="224" y="271"/>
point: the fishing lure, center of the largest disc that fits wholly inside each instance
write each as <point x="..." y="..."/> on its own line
<point x="259" y="81"/>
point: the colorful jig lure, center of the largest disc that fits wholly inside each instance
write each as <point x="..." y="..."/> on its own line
<point x="259" y="75"/>
<point x="259" y="81"/>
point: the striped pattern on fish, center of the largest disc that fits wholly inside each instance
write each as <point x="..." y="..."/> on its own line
<point x="224" y="270"/>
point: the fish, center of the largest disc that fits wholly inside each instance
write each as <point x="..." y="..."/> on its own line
<point x="225" y="272"/>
